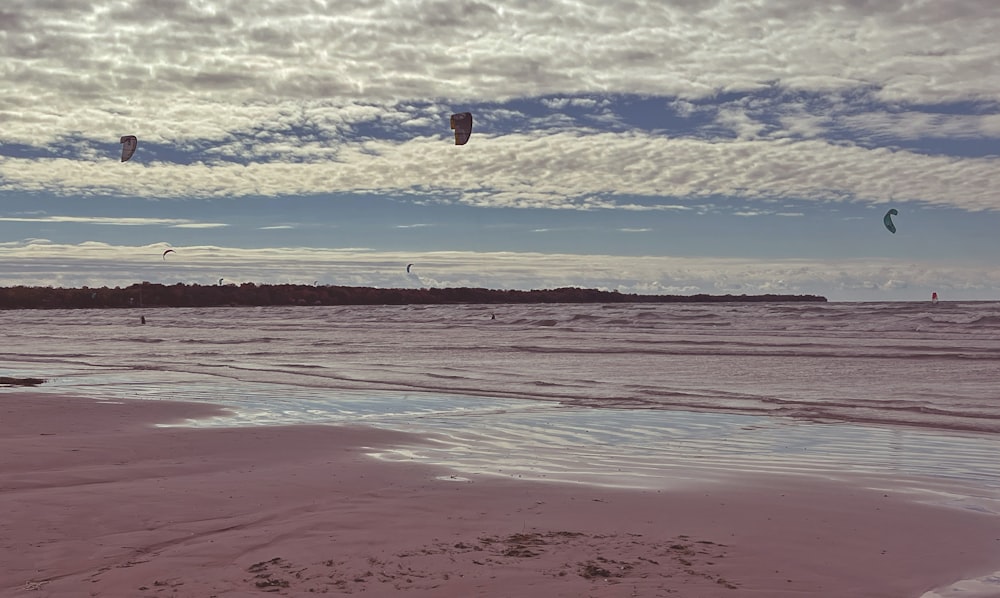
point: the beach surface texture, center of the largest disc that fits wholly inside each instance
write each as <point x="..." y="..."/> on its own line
<point x="98" y="502"/>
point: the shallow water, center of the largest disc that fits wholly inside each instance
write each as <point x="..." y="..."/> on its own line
<point x="649" y="448"/>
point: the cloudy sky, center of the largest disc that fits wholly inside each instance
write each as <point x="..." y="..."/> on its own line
<point x="651" y="146"/>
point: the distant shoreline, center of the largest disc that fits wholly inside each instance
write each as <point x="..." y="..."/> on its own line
<point x="258" y="295"/>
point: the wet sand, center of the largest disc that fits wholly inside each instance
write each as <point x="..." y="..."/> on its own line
<point x="96" y="501"/>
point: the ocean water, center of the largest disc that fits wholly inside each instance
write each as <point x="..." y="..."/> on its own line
<point x="904" y="395"/>
<point x="909" y="388"/>
<point x="916" y="364"/>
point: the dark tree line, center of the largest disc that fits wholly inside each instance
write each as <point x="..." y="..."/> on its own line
<point x="250" y="294"/>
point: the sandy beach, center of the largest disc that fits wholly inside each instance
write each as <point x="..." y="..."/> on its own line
<point x="97" y="501"/>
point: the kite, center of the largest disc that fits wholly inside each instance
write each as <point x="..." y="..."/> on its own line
<point x="129" y="142"/>
<point x="888" y="220"/>
<point x="408" y="268"/>
<point x="462" y="124"/>
<point x="166" y="252"/>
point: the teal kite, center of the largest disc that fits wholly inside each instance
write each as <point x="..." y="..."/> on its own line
<point x="888" y="220"/>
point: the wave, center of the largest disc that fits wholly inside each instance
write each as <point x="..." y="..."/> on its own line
<point x="742" y="357"/>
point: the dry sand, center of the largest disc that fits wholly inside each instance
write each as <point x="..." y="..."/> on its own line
<point x="95" y="501"/>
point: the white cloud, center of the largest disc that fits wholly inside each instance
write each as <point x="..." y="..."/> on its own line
<point x="917" y="125"/>
<point x="257" y="98"/>
<point x="113" y="221"/>
<point x="182" y="70"/>
<point x="298" y="83"/>
<point x="200" y="225"/>
<point x="561" y="171"/>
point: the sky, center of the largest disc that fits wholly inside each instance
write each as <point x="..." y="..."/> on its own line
<point x="643" y="146"/>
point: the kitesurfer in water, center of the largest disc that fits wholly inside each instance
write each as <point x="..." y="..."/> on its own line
<point x="142" y="319"/>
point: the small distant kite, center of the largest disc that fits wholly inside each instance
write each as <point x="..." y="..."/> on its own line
<point x="408" y="268"/>
<point x="129" y="143"/>
<point x="462" y="124"/>
<point x="166" y="252"/>
<point x="888" y="220"/>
